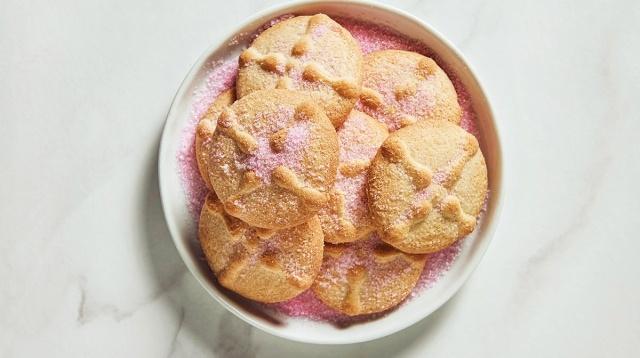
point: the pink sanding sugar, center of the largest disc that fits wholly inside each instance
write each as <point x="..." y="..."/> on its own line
<point x="468" y="121"/>
<point x="306" y="305"/>
<point x="438" y="263"/>
<point x="373" y="37"/>
<point x="269" y="24"/>
<point x="222" y="76"/>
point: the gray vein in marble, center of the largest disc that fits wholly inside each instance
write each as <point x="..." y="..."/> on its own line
<point x="559" y="242"/>
<point x="88" y="314"/>
<point x="89" y="310"/>
<point x="598" y="168"/>
<point x="532" y="272"/>
<point x="172" y="347"/>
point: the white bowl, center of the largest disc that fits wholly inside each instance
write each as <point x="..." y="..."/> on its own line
<point x="183" y="229"/>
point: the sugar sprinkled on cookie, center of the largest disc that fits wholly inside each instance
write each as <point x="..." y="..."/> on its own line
<point x="266" y="159"/>
<point x="403" y="87"/>
<point x="275" y="158"/>
<point x="346" y="216"/>
<point x="311" y="54"/>
<point x="264" y="265"/>
<point x="427" y="186"/>
<point x="366" y="276"/>
<point x="307" y="305"/>
<point x="371" y="38"/>
<point x="221" y="76"/>
<point x="205" y="129"/>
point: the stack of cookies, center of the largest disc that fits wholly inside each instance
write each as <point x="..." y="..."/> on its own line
<point x="333" y="171"/>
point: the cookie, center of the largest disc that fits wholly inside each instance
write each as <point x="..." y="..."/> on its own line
<point x="366" y="276"/>
<point x="313" y="54"/>
<point x="206" y="126"/>
<point x="426" y="186"/>
<point x="260" y="264"/>
<point x="401" y="87"/>
<point x="273" y="159"/>
<point x="346" y="217"/>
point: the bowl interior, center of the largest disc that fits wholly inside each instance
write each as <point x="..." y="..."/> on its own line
<point x="183" y="228"/>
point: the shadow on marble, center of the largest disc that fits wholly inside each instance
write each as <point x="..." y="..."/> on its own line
<point x="166" y="264"/>
<point x="198" y="319"/>
<point x="202" y="326"/>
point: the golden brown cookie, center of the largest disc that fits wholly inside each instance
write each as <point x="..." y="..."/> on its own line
<point x="346" y="216"/>
<point x="401" y="87"/>
<point x="260" y="264"/>
<point x="206" y="127"/>
<point x="313" y="54"/>
<point x="366" y="276"/>
<point x="273" y="159"/>
<point x="427" y="185"/>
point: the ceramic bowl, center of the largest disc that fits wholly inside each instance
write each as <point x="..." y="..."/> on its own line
<point x="183" y="229"/>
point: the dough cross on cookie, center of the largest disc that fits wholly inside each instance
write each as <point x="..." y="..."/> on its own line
<point x="248" y="244"/>
<point x="287" y="179"/>
<point x="367" y="262"/>
<point x="282" y="175"/>
<point x="231" y="128"/>
<point x="436" y="192"/>
<point x="374" y="100"/>
<point x="283" y="65"/>
<point x="343" y="226"/>
<point x="396" y="152"/>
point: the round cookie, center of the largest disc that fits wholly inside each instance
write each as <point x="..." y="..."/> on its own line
<point x="206" y="126"/>
<point x="346" y="216"/>
<point x="426" y="187"/>
<point x="313" y="54"/>
<point x="366" y="276"/>
<point x="401" y="87"/>
<point x="273" y="159"/>
<point x="260" y="264"/>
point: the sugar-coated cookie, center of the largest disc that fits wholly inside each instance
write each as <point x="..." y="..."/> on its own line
<point x="401" y="87"/>
<point x="206" y="126"/>
<point x="346" y="216"/>
<point x="260" y="264"/>
<point x="366" y="276"/>
<point x="426" y="186"/>
<point x="313" y="54"/>
<point x="273" y="159"/>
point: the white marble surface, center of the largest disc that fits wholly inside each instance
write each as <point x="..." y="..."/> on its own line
<point x="87" y="267"/>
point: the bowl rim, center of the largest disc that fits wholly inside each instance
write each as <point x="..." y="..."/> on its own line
<point x="277" y="10"/>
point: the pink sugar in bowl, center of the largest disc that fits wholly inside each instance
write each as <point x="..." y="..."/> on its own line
<point x="305" y="318"/>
